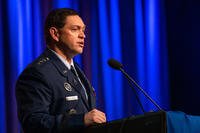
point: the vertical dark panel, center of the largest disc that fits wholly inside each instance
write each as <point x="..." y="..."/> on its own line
<point x="86" y="16"/>
<point x="2" y="82"/>
<point x="97" y="74"/>
<point x="183" y="21"/>
<point x="127" y="19"/>
<point x="10" y="124"/>
<point x="45" y="8"/>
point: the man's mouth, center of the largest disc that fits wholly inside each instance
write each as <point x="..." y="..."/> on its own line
<point x="81" y="44"/>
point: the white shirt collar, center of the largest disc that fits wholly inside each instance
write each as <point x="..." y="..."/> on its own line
<point x="67" y="64"/>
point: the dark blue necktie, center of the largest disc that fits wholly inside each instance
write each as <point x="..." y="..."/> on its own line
<point x="76" y="74"/>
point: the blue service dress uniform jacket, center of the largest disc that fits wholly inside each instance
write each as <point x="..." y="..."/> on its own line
<point x="50" y="97"/>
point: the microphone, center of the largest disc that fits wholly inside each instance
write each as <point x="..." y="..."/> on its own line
<point x="118" y="66"/>
<point x="114" y="64"/>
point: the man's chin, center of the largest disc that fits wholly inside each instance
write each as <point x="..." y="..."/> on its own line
<point x="78" y="52"/>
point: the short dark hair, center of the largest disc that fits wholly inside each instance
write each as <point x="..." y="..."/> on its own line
<point x="56" y="18"/>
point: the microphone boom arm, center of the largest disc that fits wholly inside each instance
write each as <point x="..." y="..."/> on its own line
<point x="140" y="88"/>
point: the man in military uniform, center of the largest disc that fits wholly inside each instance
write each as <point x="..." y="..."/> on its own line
<point x="53" y="94"/>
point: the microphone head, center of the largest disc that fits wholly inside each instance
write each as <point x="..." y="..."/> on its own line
<point x="114" y="64"/>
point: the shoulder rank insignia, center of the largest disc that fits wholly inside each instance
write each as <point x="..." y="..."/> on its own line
<point x="42" y="60"/>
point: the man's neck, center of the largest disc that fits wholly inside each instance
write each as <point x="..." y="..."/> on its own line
<point x="61" y="53"/>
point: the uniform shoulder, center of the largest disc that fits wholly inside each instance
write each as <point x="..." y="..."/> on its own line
<point x="39" y="64"/>
<point x="44" y="59"/>
<point x="41" y="60"/>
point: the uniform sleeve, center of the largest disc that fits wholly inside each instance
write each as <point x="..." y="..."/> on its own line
<point x="34" y="97"/>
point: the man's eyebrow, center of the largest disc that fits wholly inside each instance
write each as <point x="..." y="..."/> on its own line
<point x="78" y="26"/>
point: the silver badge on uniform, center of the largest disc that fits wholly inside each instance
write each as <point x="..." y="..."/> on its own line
<point x="67" y="86"/>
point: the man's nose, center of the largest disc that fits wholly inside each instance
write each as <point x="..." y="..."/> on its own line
<point x="82" y="34"/>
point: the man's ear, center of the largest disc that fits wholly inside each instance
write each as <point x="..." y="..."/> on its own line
<point x="54" y="33"/>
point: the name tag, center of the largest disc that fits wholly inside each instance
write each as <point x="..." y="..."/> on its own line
<point x="71" y="98"/>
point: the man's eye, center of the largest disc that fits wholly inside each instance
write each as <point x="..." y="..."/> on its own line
<point x="73" y="29"/>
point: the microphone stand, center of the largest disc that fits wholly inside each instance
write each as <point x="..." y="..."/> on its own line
<point x="140" y="88"/>
<point x="137" y="98"/>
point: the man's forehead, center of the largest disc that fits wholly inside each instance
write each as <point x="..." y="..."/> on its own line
<point x="74" y="20"/>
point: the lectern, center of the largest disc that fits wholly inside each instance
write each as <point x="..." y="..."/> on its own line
<point x="153" y="122"/>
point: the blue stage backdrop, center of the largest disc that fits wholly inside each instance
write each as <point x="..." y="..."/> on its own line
<point x="131" y="31"/>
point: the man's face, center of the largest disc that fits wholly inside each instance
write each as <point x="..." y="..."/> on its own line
<point x="71" y="36"/>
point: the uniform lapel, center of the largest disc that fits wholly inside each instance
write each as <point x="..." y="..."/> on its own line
<point x="88" y="87"/>
<point x="76" y="84"/>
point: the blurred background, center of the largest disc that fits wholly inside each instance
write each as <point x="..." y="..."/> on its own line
<point x="157" y="41"/>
